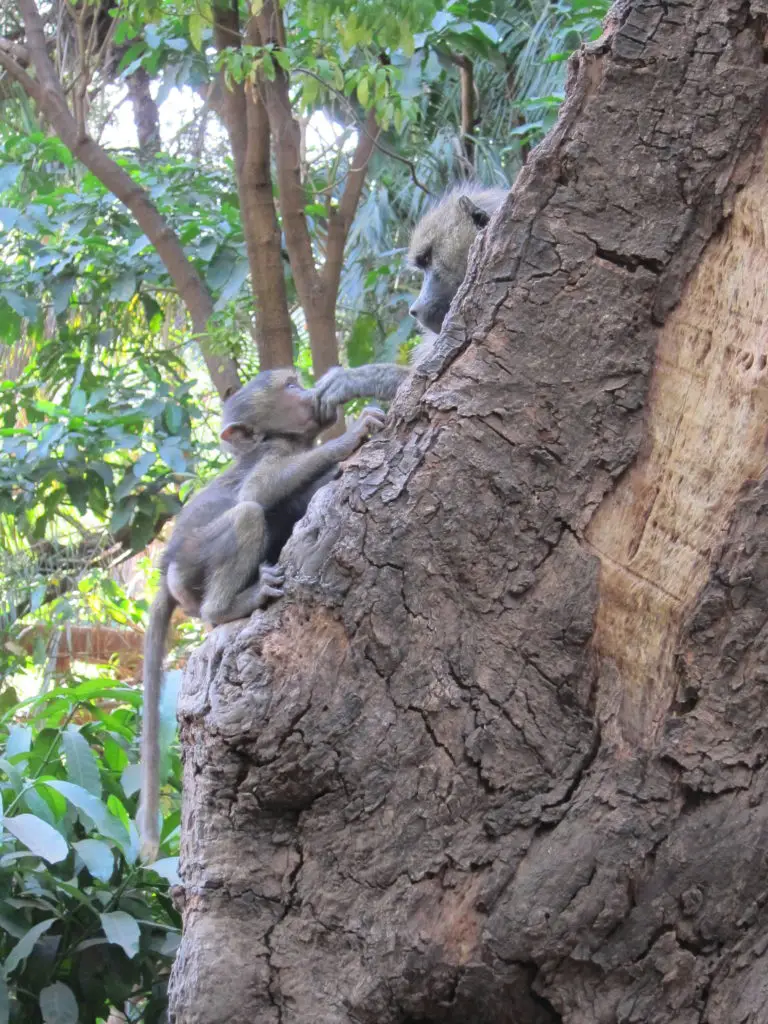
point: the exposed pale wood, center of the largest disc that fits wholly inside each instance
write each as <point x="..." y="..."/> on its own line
<point x="706" y="438"/>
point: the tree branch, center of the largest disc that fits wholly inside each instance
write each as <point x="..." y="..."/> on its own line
<point x="466" y="78"/>
<point x="292" y="198"/>
<point x="9" y="61"/>
<point x="48" y="94"/>
<point x="340" y="219"/>
<point x="345" y="102"/>
<point x="245" y="118"/>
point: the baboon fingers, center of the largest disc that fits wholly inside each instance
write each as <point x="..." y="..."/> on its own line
<point x="331" y="391"/>
<point x="272" y="575"/>
<point x="371" y="421"/>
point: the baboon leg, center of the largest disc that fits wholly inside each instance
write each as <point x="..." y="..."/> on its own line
<point x="235" y="545"/>
<point x="270" y="584"/>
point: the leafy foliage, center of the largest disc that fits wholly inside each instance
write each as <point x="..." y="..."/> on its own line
<point x="108" y="442"/>
<point x="84" y="926"/>
<point x="70" y="245"/>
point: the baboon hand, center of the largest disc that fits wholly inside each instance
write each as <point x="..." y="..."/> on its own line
<point x="271" y="580"/>
<point x="369" y="422"/>
<point x="331" y="391"/>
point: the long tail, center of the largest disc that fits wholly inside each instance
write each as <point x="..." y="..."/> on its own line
<point x="154" y="650"/>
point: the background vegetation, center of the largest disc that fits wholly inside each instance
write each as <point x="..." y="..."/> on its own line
<point x="116" y="346"/>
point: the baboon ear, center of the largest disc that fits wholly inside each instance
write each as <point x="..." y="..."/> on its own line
<point x="234" y="432"/>
<point x="478" y="217"/>
<point x="231" y="390"/>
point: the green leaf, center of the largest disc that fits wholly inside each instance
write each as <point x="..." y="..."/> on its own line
<point x="10" y="324"/>
<point x="363" y="91"/>
<point x="114" y="754"/>
<point x="173" y="417"/>
<point x="78" y="402"/>
<point x="233" y="285"/>
<point x="86" y="802"/>
<point x="172" y="456"/>
<point x="221" y="268"/>
<point x="82" y="766"/>
<point x="14" y="774"/>
<point x="152" y="310"/>
<point x="61" y="290"/>
<point x="25" y="945"/>
<point x="133" y="52"/>
<point x="197" y="25"/>
<point x="116" y="807"/>
<point x="167" y="868"/>
<point x="58" y="1004"/>
<point x="19" y="740"/>
<point x="8" y="217"/>
<point x="122" y="930"/>
<point x="97" y="857"/>
<point x="124" y="288"/>
<point x="38" y="836"/>
<point x="37" y="805"/>
<point x="20" y="304"/>
<point x="122" y="514"/>
<point x="143" y="464"/>
<point x="130" y="780"/>
<point x="152" y="36"/>
<point x="309" y="91"/>
<point x="8" y="175"/>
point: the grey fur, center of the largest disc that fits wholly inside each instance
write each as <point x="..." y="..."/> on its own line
<point x="439" y="248"/>
<point x="214" y="564"/>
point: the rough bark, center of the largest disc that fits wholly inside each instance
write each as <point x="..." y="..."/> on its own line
<point x="500" y="758"/>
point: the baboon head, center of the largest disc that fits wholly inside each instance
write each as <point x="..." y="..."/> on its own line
<point x="440" y="247"/>
<point x="273" y="404"/>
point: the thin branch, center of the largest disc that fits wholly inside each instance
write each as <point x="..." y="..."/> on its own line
<point x="287" y="137"/>
<point x="340" y="220"/>
<point x="467" y="84"/>
<point x="345" y="101"/>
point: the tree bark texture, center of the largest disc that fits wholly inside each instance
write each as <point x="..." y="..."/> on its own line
<point x="501" y="755"/>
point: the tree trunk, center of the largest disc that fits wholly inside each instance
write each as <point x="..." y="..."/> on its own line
<point x="146" y="116"/>
<point x="501" y="755"/>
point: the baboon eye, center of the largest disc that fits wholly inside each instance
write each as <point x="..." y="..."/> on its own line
<point x="424" y="260"/>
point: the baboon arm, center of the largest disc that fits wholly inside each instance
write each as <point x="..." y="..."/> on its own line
<point x="377" y="380"/>
<point x="275" y="478"/>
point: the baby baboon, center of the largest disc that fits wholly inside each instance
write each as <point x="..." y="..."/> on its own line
<point x="215" y="563"/>
<point x="439" y="248"/>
